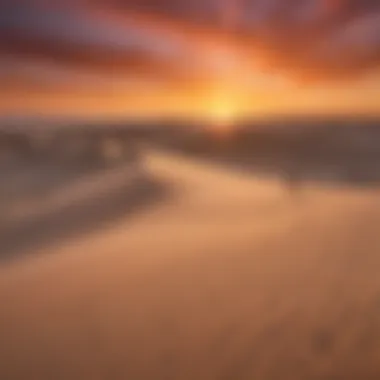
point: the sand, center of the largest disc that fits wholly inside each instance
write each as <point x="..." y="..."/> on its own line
<point x="222" y="276"/>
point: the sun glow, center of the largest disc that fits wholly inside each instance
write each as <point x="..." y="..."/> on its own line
<point x="222" y="116"/>
<point x="222" y="113"/>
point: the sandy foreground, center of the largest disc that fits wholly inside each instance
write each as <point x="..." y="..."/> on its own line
<point x="228" y="277"/>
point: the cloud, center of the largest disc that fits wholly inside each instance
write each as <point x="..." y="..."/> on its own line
<point x="321" y="38"/>
<point x="316" y="39"/>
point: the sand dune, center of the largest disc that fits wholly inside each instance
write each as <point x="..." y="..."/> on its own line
<point x="229" y="277"/>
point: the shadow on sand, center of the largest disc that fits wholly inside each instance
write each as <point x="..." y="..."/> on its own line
<point x="326" y="153"/>
<point x="59" y="204"/>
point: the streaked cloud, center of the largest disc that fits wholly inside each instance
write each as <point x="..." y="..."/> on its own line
<point x="256" y="44"/>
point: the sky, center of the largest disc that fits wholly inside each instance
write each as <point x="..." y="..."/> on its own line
<point x="177" y="57"/>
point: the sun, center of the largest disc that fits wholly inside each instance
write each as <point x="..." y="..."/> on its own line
<point x="222" y="117"/>
<point x="222" y="113"/>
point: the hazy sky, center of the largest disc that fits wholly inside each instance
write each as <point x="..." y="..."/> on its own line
<point x="177" y="56"/>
